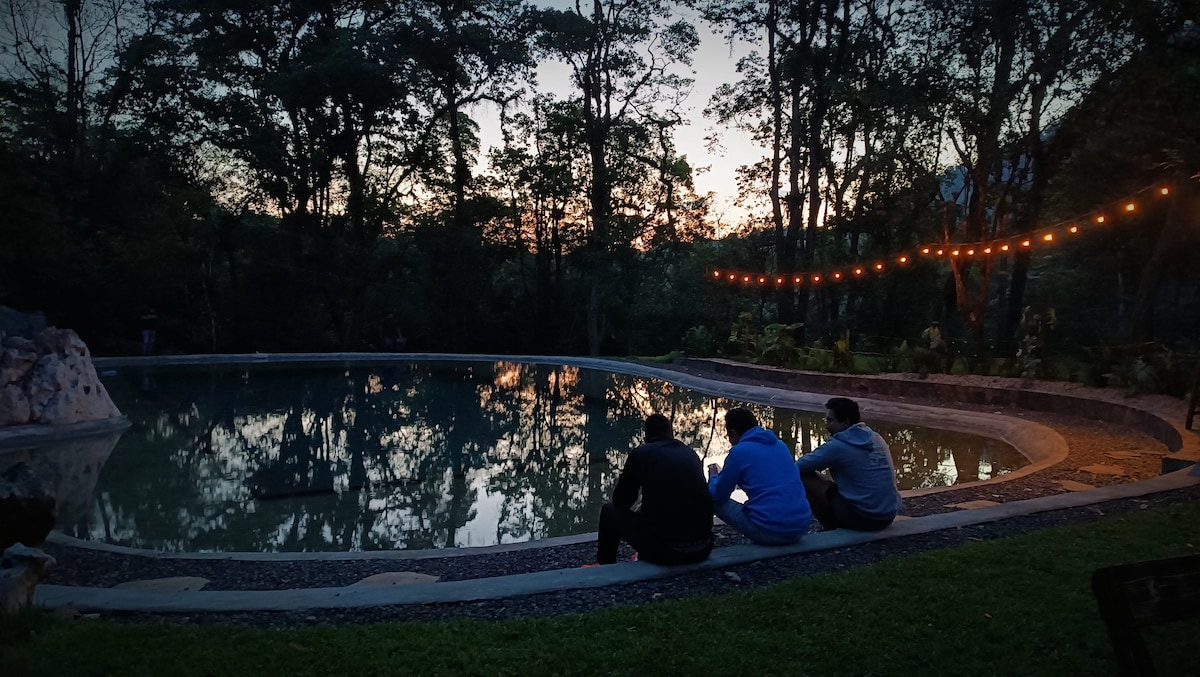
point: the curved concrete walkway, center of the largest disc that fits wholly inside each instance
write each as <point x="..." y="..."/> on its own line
<point x="109" y="599"/>
<point x="1040" y="444"/>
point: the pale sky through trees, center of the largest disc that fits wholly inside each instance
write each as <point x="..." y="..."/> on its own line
<point x="713" y="64"/>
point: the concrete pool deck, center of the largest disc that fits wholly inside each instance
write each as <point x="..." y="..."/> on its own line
<point x="1043" y="446"/>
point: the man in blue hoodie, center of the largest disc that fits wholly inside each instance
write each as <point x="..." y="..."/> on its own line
<point x="776" y="511"/>
<point x="862" y="494"/>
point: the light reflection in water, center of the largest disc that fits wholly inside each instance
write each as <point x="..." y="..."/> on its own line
<point x="421" y="455"/>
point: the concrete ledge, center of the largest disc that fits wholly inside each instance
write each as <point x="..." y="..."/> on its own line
<point x="109" y="599"/>
<point x="1184" y="444"/>
<point x="25" y="436"/>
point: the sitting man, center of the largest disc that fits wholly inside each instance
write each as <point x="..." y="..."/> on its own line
<point x="674" y="523"/>
<point x="862" y="495"/>
<point x="776" y="511"/>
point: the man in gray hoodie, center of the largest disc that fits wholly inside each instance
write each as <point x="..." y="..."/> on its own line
<point x="862" y="493"/>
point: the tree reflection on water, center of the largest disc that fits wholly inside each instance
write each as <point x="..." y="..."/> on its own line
<point x="419" y="455"/>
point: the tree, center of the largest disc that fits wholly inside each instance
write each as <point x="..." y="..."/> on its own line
<point x="620" y="55"/>
<point x="839" y="97"/>
<point x="1011" y="63"/>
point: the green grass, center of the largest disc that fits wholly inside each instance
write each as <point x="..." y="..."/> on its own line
<point x="1020" y="605"/>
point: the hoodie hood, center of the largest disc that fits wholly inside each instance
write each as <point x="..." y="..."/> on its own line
<point x="758" y="435"/>
<point x="858" y="435"/>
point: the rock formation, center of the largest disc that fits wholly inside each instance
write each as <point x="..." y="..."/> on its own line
<point x="48" y="378"/>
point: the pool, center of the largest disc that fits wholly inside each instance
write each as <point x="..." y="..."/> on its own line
<point x="415" y="455"/>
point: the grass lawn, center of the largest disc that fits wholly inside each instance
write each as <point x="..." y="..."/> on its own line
<point x="1019" y="605"/>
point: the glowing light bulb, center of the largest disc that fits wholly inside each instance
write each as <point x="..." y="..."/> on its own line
<point x="746" y="278"/>
<point x="970" y="252"/>
<point x="797" y="280"/>
<point x="1099" y="219"/>
<point x="878" y="266"/>
<point x="837" y="276"/>
<point x="1164" y="191"/>
<point x="716" y="273"/>
<point x="858" y="271"/>
<point x="1025" y="243"/>
<point x="1074" y="229"/>
<point x="816" y="279"/>
<point x="954" y="253"/>
<point x="1003" y="247"/>
<point x="779" y="280"/>
<point x="1048" y="237"/>
<point x="903" y="259"/>
<point x="925" y="250"/>
<point x="762" y="280"/>
<point x="987" y="250"/>
<point x="732" y="277"/>
<point x="1130" y="207"/>
<point x="939" y="252"/>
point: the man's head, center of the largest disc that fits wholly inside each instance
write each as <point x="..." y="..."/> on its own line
<point x="658" y="427"/>
<point x="737" y="422"/>
<point x="841" y="413"/>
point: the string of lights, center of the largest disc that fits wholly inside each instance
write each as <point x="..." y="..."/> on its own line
<point x="1047" y="235"/>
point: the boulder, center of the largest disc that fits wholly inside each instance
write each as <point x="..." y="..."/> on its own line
<point x="14" y="405"/>
<point x="50" y="379"/>
<point x="21" y="568"/>
<point x="27" y="508"/>
<point x="16" y="360"/>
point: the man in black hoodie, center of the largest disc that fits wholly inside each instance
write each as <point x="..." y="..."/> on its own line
<point x="674" y="523"/>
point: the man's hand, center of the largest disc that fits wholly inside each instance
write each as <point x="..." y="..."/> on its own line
<point x="713" y="469"/>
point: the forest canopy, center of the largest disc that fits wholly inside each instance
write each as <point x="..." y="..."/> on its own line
<point x="283" y="175"/>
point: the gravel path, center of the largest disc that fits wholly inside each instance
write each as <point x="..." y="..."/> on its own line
<point x="1090" y="442"/>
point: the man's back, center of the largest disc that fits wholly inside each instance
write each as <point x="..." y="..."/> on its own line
<point x="676" y="506"/>
<point x="763" y="467"/>
<point x="860" y="462"/>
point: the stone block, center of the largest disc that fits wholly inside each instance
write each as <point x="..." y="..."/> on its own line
<point x="397" y="578"/>
<point x="1072" y="485"/>
<point x="972" y="505"/>
<point x="1099" y="469"/>
<point x="21" y="568"/>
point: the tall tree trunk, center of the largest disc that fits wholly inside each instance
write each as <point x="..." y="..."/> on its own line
<point x="785" y="262"/>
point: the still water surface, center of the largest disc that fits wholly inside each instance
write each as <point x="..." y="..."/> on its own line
<point x="417" y="455"/>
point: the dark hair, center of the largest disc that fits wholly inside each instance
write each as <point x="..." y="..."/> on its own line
<point x="658" y="427"/>
<point x="740" y="420"/>
<point x="844" y="410"/>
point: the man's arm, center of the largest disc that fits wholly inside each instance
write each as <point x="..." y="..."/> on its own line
<point x="722" y="482"/>
<point x="816" y="460"/>
<point x="629" y="484"/>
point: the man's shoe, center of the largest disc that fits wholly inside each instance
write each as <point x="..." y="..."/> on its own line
<point x="634" y="558"/>
<point x="589" y="566"/>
